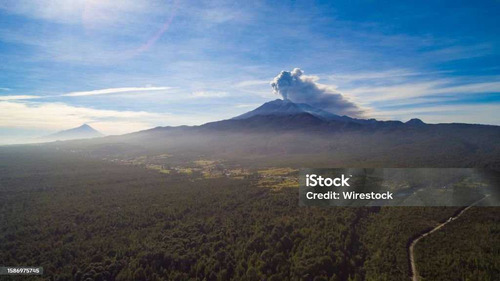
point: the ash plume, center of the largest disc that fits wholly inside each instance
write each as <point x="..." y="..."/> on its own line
<point x="299" y="88"/>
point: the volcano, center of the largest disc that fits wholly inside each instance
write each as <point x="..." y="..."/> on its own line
<point x="83" y="132"/>
<point x="285" y="107"/>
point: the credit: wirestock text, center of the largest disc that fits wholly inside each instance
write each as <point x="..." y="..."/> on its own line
<point x="396" y="187"/>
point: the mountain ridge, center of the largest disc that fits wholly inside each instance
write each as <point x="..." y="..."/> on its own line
<point x="306" y="139"/>
<point x="282" y="115"/>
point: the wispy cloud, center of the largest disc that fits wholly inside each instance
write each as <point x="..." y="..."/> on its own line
<point x="70" y="12"/>
<point x="261" y="88"/>
<point x="219" y="15"/>
<point x="94" y="93"/>
<point x="404" y="94"/>
<point x="18" y="97"/>
<point x="247" y="105"/>
<point x="209" y="94"/>
<point x="412" y="90"/>
<point x="57" y="116"/>
<point x="465" y="113"/>
<point x="115" y="91"/>
<point x="384" y="75"/>
<point x="249" y="83"/>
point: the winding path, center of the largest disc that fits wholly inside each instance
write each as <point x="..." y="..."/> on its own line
<point x="415" y="276"/>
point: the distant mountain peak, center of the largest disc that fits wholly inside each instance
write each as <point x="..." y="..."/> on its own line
<point x="85" y="131"/>
<point x="415" y="122"/>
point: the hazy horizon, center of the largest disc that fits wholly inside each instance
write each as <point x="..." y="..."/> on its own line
<point x="45" y="137"/>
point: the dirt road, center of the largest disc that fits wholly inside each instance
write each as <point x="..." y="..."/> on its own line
<point x="415" y="276"/>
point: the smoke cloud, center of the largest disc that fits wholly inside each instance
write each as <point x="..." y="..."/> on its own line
<point x="299" y="88"/>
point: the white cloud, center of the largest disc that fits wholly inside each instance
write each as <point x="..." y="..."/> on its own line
<point x="406" y="91"/>
<point x="18" y="97"/>
<point x="58" y="116"/>
<point x="254" y="87"/>
<point x="76" y="11"/>
<point x="249" y="83"/>
<point x="115" y="91"/>
<point x="246" y="105"/>
<point x="208" y="94"/>
<point x="390" y="75"/>
<point x="468" y="113"/>
<point x="220" y="15"/>
<point x="473" y="88"/>
<point x="392" y="92"/>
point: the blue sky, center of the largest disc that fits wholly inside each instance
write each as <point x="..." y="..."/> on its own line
<point x="126" y="66"/>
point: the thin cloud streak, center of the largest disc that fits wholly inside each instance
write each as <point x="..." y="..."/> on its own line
<point x="18" y="97"/>
<point x="249" y="83"/>
<point x="407" y="91"/>
<point x="115" y="91"/>
<point x="208" y="94"/>
<point x="390" y="75"/>
<point x="247" y="105"/>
